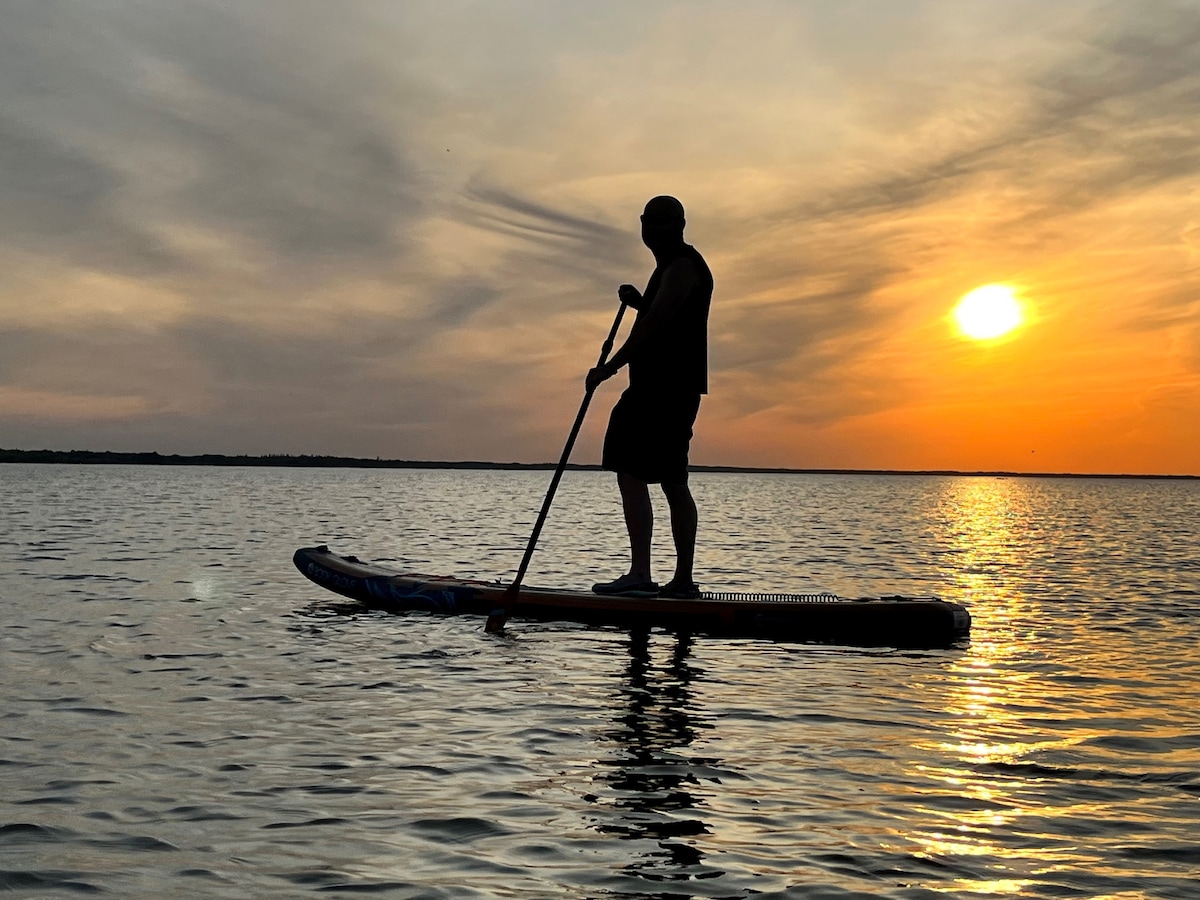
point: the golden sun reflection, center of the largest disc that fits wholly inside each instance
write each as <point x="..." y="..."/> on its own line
<point x="987" y="782"/>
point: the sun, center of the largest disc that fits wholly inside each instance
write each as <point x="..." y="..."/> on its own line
<point x="988" y="312"/>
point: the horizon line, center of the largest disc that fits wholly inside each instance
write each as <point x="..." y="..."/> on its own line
<point x="310" y="460"/>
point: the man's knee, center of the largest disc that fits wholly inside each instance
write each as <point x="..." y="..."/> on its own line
<point x="677" y="492"/>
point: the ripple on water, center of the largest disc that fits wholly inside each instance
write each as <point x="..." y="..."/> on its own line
<point x="47" y="880"/>
<point x="188" y="714"/>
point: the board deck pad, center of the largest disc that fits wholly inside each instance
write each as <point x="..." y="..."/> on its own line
<point x="879" y="621"/>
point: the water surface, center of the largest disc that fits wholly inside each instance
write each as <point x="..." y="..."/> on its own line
<point x="182" y="712"/>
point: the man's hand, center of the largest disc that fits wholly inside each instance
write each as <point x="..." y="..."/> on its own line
<point x="598" y="375"/>
<point x="630" y="295"/>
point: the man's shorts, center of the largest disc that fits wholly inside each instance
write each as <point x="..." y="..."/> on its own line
<point x="648" y="435"/>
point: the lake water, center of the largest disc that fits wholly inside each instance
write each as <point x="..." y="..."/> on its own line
<point x="182" y="713"/>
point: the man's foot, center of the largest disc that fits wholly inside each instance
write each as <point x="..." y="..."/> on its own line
<point x="627" y="586"/>
<point x="680" y="590"/>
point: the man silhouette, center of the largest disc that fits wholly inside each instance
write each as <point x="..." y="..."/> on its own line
<point x="651" y="425"/>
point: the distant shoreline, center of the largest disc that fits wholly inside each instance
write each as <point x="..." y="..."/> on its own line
<point x="108" y="457"/>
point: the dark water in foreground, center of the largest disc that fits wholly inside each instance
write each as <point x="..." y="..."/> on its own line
<point x="182" y="713"/>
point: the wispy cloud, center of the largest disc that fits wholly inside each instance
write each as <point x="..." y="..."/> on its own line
<point x="229" y="223"/>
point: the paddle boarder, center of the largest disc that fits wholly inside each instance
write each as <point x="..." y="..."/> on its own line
<point x="650" y="428"/>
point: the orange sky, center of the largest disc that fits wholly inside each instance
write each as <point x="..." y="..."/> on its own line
<point x="396" y="229"/>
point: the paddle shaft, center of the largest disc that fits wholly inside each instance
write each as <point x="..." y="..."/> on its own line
<point x="497" y="618"/>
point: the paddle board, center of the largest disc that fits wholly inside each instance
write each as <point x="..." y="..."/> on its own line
<point x="881" y="621"/>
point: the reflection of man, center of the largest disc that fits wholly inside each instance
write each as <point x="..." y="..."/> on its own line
<point x="652" y="771"/>
<point x="651" y="425"/>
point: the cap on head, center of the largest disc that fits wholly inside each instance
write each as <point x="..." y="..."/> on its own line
<point x="664" y="207"/>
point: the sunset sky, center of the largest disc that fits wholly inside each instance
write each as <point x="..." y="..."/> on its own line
<point x="397" y="228"/>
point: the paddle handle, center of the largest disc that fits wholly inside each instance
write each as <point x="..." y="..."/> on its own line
<point x="497" y="618"/>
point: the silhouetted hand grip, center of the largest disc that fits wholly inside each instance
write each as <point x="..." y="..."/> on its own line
<point x="630" y="296"/>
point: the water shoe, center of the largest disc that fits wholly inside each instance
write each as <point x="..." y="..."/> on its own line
<point x="627" y="586"/>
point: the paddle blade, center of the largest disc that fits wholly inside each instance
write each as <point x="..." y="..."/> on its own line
<point x="498" y="616"/>
<point x="495" y="621"/>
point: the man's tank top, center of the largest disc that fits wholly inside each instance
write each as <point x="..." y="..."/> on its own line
<point x="677" y="358"/>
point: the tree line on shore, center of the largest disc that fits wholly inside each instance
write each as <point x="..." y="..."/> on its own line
<point x="305" y="460"/>
<point x="154" y="458"/>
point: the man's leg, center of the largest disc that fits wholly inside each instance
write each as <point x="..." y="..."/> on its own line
<point x="639" y="520"/>
<point x="683" y="530"/>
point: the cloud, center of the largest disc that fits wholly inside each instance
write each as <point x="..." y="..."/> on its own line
<point x="509" y="214"/>
<point x="552" y="242"/>
<point x="47" y="187"/>
<point x="132" y="118"/>
<point x="410" y="217"/>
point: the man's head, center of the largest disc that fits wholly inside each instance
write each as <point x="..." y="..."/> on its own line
<point x="662" y="223"/>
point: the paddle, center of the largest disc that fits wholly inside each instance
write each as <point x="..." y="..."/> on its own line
<point x="499" y="616"/>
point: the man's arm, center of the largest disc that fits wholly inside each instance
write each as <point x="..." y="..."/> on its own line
<point x="677" y="282"/>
